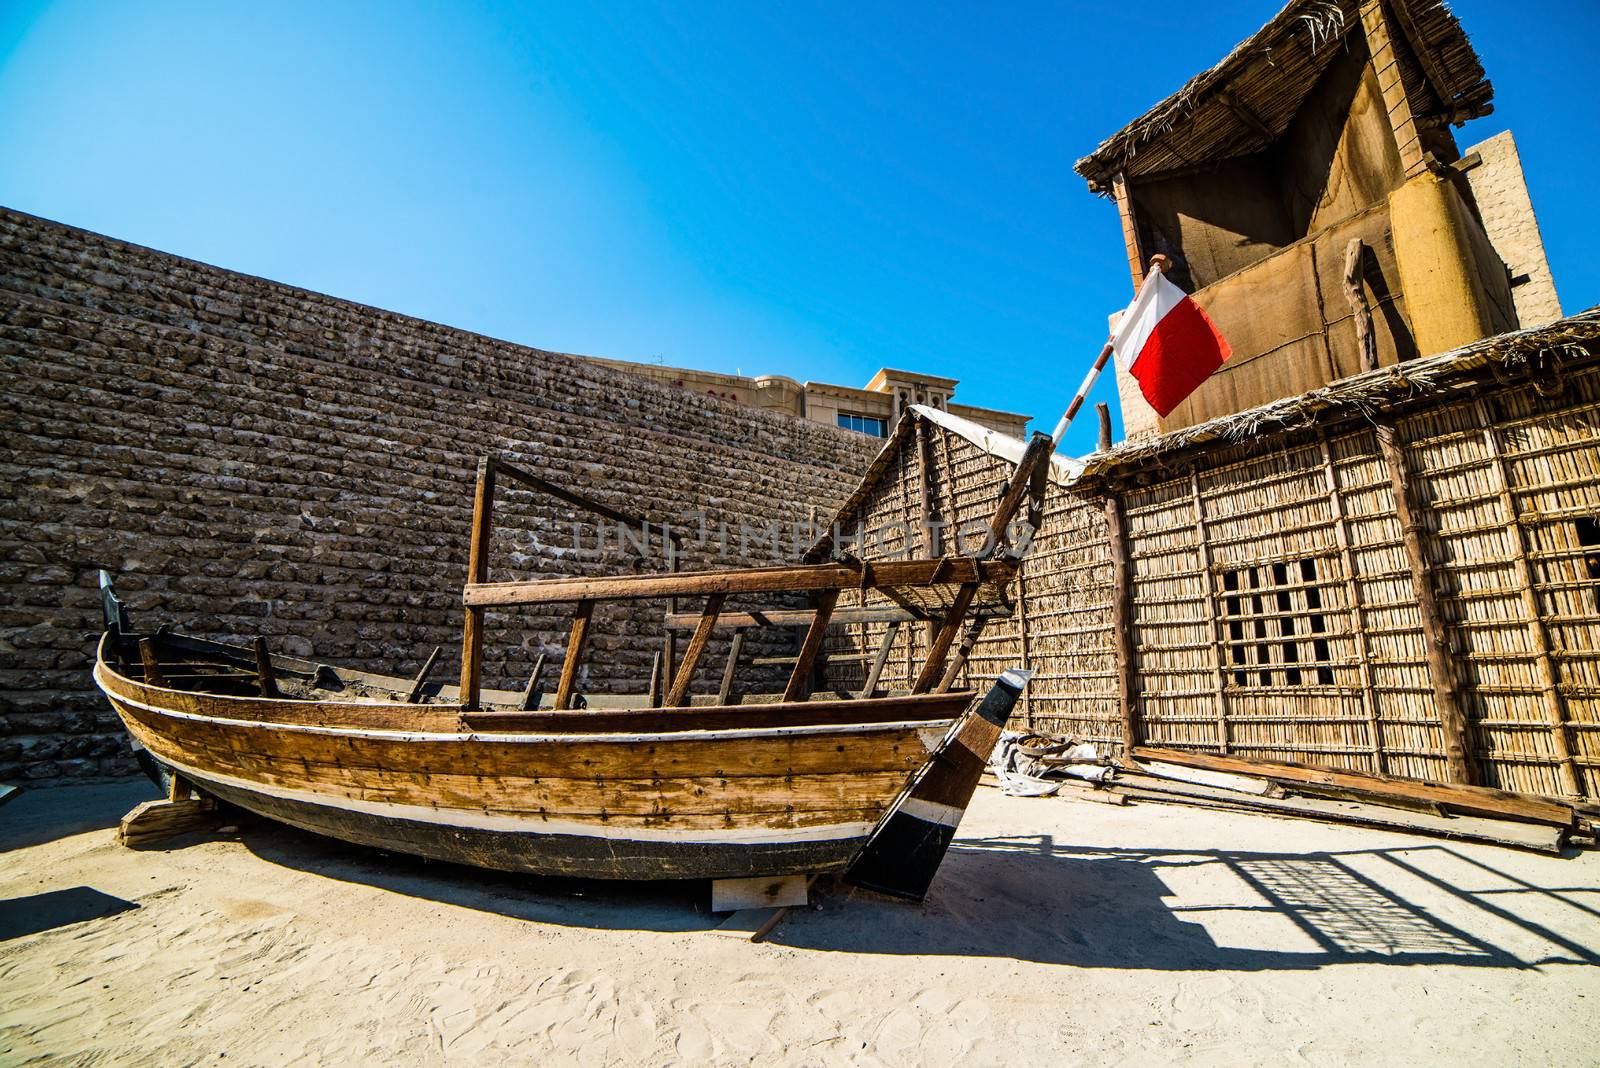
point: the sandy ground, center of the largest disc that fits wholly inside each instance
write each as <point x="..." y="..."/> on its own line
<point x="1058" y="933"/>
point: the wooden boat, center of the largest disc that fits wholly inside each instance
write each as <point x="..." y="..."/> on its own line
<point x="667" y="788"/>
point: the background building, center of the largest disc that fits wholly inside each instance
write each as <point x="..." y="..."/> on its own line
<point x="873" y="410"/>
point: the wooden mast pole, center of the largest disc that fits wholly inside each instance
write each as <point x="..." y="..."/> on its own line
<point x="477" y="573"/>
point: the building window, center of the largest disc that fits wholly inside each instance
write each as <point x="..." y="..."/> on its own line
<point x="865" y="424"/>
<point x="1277" y="630"/>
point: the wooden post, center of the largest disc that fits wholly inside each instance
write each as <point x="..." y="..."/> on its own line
<point x="1366" y="340"/>
<point x="876" y="671"/>
<point x="1103" y="411"/>
<point x="477" y="571"/>
<point x="533" y="693"/>
<point x="735" y="647"/>
<point x="924" y="475"/>
<point x="1538" y="634"/>
<point x="1122" y="621"/>
<point x="1130" y="227"/>
<point x="1219" y="696"/>
<point x="679" y="693"/>
<point x="1452" y="721"/>
<point x="1022" y="634"/>
<point x="654" y="695"/>
<point x="799" y="687"/>
<point x="933" y="668"/>
<point x="1358" y="623"/>
<point x="569" y="666"/>
<point x="152" y="663"/>
<point x="964" y="650"/>
<point x="1375" y="23"/>
<point x="422" y="676"/>
<point x="266" y="678"/>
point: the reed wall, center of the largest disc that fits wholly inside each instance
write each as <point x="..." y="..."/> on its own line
<point x="1275" y="613"/>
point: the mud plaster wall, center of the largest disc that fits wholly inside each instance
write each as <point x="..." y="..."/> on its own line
<point x="250" y="458"/>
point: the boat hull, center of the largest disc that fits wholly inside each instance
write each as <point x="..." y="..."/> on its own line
<point x="624" y="805"/>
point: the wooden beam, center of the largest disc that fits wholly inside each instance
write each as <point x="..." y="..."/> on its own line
<point x="1386" y="65"/>
<point x="878" y="661"/>
<point x="968" y="641"/>
<point x="533" y="692"/>
<point x="796" y="577"/>
<point x="1102" y="411"/>
<point x="569" y="666"/>
<point x="800" y="679"/>
<point x="477" y="572"/>
<point x="697" y="648"/>
<point x="1130" y="227"/>
<point x="1122" y="620"/>
<point x="1244" y="114"/>
<point x="735" y="647"/>
<point x="561" y="493"/>
<point x="933" y="668"/>
<point x="653" y="697"/>
<point x="1219" y="693"/>
<point x="1441" y="673"/>
<point x="1354" y="272"/>
<point x="413" y="694"/>
<point x="151" y="662"/>
<point x="266" y="678"/>
<point x="1476" y="799"/>
<point x="801" y="617"/>
<point x="1358" y="621"/>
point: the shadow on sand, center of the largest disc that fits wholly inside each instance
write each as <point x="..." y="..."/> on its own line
<point x="1021" y="897"/>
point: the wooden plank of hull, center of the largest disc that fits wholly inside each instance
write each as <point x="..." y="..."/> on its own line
<point x="542" y="853"/>
<point x="399" y="716"/>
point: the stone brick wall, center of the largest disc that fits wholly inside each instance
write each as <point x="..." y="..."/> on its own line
<point x="250" y="458"/>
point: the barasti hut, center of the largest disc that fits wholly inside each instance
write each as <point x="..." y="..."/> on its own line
<point x="1371" y="541"/>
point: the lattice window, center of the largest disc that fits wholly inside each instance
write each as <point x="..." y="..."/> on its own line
<point x="1277" y="630"/>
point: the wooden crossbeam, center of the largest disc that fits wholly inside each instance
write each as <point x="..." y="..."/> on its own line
<point x="799" y="577"/>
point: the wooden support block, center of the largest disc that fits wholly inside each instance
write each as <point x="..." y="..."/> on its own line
<point x="759" y="892"/>
<point x="156" y="821"/>
<point x="750" y="925"/>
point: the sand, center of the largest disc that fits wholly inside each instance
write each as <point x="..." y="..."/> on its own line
<point x="1058" y="933"/>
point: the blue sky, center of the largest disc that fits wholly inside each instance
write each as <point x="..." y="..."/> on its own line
<point x="809" y="189"/>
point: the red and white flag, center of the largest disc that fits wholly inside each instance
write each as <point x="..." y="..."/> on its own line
<point x="1167" y="343"/>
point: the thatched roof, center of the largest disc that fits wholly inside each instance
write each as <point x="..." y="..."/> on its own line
<point x="1247" y="101"/>
<point x="1540" y="353"/>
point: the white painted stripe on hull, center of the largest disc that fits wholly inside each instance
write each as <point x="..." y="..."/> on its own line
<point x="932" y="811"/>
<point x="522" y="739"/>
<point x="528" y="823"/>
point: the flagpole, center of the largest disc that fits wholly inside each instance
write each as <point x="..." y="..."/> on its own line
<point x="1158" y="262"/>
